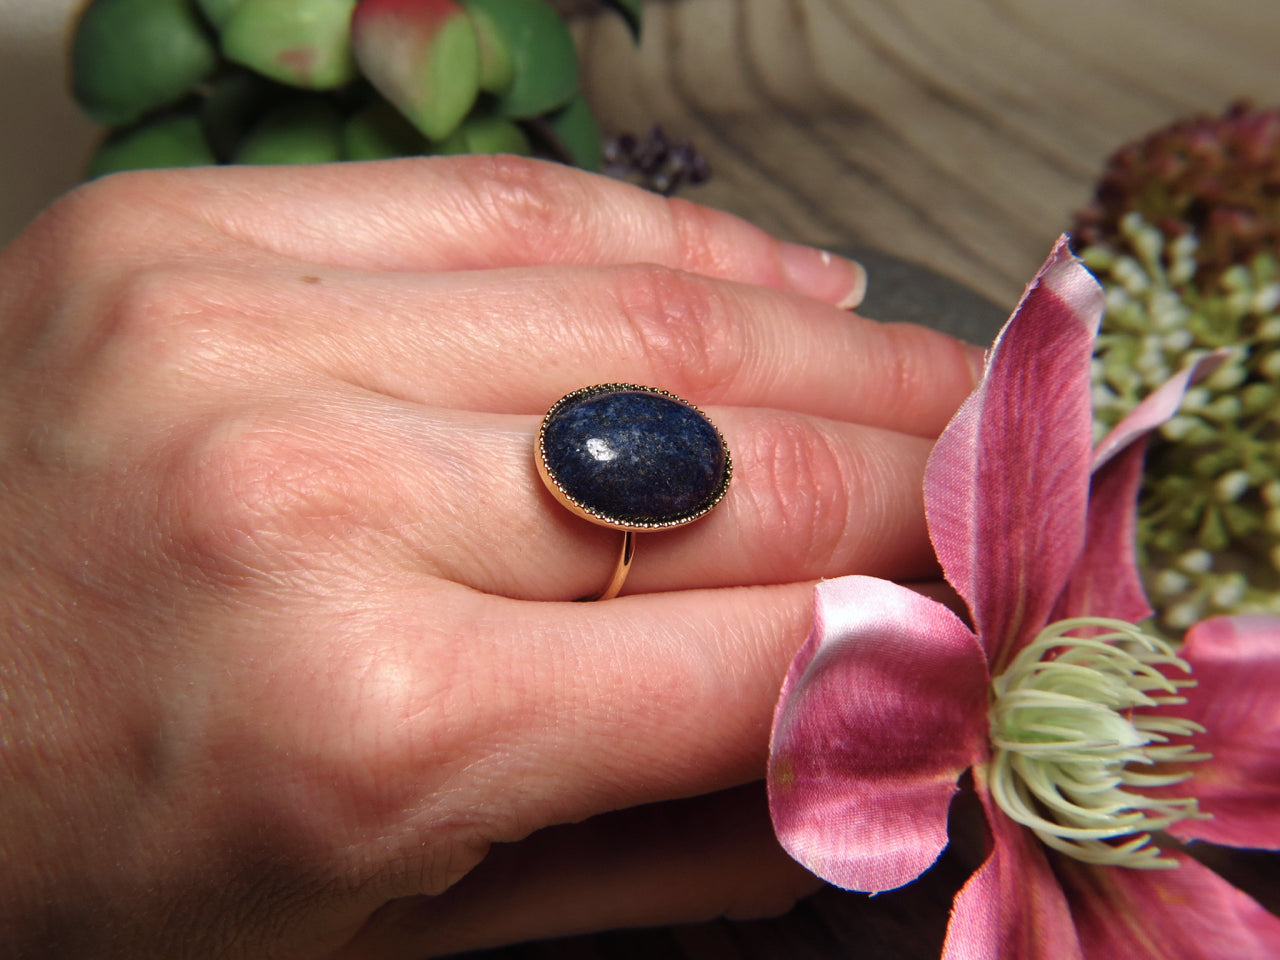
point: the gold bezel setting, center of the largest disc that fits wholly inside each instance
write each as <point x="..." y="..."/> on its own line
<point x="595" y="515"/>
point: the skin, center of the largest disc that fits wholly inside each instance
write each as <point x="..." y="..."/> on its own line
<point x="286" y="670"/>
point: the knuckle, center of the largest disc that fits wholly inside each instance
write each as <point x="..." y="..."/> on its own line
<point x="165" y="322"/>
<point x="906" y="375"/>
<point x="698" y="236"/>
<point x="259" y="497"/>
<point x="97" y="202"/>
<point x="538" y="206"/>
<point x="109" y="293"/>
<point x="123" y="355"/>
<point x="796" y="488"/>
<point x="685" y="329"/>
<point x="106" y="216"/>
<point x="922" y="377"/>
<point x="151" y="304"/>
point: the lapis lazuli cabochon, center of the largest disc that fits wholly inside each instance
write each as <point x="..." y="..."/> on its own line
<point x="631" y="456"/>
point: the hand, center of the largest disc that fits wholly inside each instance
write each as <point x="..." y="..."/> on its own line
<point x="284" y="672"/>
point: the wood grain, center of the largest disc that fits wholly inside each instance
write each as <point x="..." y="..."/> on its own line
<point x="960" y="134"/>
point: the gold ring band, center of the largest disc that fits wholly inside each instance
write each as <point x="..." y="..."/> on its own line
<point x="620" y="571"/>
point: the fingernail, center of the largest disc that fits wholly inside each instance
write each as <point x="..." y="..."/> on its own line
<point x="823" y="275"/>
<point x="977" y="357"/>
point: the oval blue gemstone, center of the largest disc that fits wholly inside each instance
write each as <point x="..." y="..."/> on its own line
<point x="634" y="457"/>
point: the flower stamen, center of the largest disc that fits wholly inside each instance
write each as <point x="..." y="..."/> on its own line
<point x="1064" y="732"/>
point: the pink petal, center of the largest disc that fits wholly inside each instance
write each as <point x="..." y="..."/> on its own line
<point x="1013" y="907"/>
<point x="1106" y="581"/>
<point x="1185" y="914"/>
<point x="1236" y="661"/>
<point x="1006" y="488"/>
<point x="882" y="711"/>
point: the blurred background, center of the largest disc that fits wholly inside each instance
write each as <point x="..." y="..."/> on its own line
<point x="960" y="134"/>
<point x="46" y="139"/>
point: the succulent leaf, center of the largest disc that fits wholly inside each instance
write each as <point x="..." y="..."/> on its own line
<point x="485" y="133"/>
<point x="234" y="102"/>
<point x="489" y="134"/>
<point x="543" y="59"/>
<point x="379" y="131"/>
<point x="217" y="12"/>
<point x="305" y="130"/>
<point x="575" y="128"/>
<point x="129" y="57"/>
<point x="175" y="140"/>
<point x="497" y="68"/>
<point x="302" y="43"/>
<point x="423" y="56"/>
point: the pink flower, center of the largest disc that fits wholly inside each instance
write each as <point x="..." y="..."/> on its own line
<point x="1074" y="729"/>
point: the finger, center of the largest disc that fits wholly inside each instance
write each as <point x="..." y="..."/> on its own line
<point x="434" y="721"/>
<point x="808" y="499"/>
<point x="597" y="707"/>
<point x="405" y="725"/>
<point x="516" y="340"/>
<point x="457" y="496"/>
<point x="680" y="862"/>
<point x="462" y="213"/>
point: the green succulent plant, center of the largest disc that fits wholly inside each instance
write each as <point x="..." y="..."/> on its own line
<point x="182" y="82"/>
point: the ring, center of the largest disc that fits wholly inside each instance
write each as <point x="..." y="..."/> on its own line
<point x="632" y="458"/>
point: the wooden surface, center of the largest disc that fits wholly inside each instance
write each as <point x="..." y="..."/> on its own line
<point x="957" y="133"/>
